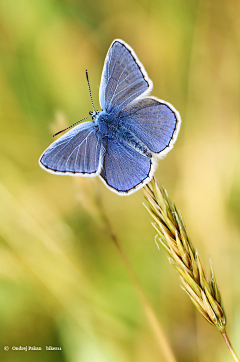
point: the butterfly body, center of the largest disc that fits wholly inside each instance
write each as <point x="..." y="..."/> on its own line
<point x="124" y="140"/>
<point x="112" y="126"/>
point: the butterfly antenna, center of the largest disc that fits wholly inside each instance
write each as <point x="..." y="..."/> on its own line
<point x="71" y="126"/>
<point x="83" y="118"/>
<point x="90" y="90"/>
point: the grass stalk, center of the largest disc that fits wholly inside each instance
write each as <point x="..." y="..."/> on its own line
<point x="172" y="234"/>
<point x="235" y="357"/>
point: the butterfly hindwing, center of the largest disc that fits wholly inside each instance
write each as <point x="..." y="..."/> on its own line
<point x="124" y="169"/>
<point x="123" y="78"/>
<point x="77" y="152"/>
<point x="155" y="122"/>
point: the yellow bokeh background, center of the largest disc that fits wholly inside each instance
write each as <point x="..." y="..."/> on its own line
<point x="62" y="280"/>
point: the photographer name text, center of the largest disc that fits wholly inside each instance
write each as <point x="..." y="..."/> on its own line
<point x="33" y="348"/>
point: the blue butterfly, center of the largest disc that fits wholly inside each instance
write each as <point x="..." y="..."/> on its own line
<point x="122" y="143"/>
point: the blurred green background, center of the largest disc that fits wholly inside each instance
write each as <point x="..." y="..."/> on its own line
<point x="62" y="280"/>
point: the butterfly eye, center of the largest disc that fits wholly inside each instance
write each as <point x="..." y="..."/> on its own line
<point x="93" y="114"/>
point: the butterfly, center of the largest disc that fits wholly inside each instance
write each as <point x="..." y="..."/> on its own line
<point x="123" y="142"/>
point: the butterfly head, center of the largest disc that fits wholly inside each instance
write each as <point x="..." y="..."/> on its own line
<point x="94" y="114"/>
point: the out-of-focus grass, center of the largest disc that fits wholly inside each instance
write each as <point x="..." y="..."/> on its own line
<point x="62" y="282"/>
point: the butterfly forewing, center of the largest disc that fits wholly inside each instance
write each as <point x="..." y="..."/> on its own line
<point x="154" y="122"/>
<point x="123" y="78"/>
<point x="77" y="152"/>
